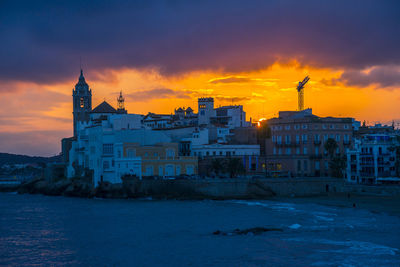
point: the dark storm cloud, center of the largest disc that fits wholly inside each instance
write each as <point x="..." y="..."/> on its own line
<point x="381" y="77"/>
<point x="159" y="93"/>
<point x="42" y="40"/>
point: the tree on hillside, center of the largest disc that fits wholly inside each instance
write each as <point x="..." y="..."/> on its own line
<point x="235" y="167"/>
<point x="330" y="146"/>
<point x="337" y="164"/>
<point x="217" y="166"/>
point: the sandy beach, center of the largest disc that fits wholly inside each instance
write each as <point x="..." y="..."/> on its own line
<point x="376" y="204"/>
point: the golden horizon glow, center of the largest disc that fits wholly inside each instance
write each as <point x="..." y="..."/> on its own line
<point x="263" y="94"/>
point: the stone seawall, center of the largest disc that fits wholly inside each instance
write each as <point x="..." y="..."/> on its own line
<point x="382" y="190"/>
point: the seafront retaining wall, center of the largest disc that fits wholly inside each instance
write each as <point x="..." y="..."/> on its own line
<point x="238" y="188"/>
<point x="382" y="190"/>
<point x="251" y="188"/>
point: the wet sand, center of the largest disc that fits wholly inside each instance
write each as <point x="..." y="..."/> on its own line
<point x="376" y="204"/>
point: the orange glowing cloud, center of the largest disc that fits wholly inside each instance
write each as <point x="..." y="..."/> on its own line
<point x="34" y="107"/>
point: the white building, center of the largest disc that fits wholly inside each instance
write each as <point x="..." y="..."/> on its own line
<point x="99" y="143"/>
<point x="225" y="150"/>
<point x="373" y="158"/>
<point x="206" y="110"/>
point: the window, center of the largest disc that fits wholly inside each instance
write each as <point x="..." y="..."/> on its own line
<point x="316" y="137"/>
<point x="338" y="137"/>
<point x="297" y="139"/>
<point x="274" y="151"/>
<point x="305" y="165"/>
<point x="316" y="150"/>
<point x="304" y="138"/>
<point x="346" y="126"/>
<point x="338" y="150"/>
<point x="82" y="103"/>
<point x="288" y="151"/>
<point x="130" y="152"/>
<point x="298" y="150"/>
<point x="280" y="151"/>
<point x="317" y="167"/>
<point x="287" y="139"/>
<point x="279" y="139"/>
<point x="287" y="127"/>
<point x="331" y="126"/>
<point x="106" y="165"/>
<point x="323" y="126"/>
<point x="108" y="149"/>
<point x="297" y="127"/>
<point x="273" y="138"/>
<point x="304" y="126"/>
<point x="253" y="166"/>
<point x="325" y="137"/>
<point x="171" y="152"/>
<point x="305" y="150"/>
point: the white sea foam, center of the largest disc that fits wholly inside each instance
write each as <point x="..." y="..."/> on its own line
<point x="272" y="205"/>
<point x="323" y="218"/>
<point x="250" y="203"/>
<point x="352" y="247"/>
<point x="295" y="226"/>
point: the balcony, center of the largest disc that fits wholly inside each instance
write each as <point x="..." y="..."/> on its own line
<point x="370" y="163"/>
<point x="346" y="142"/>
<point x="319" y="156"/>
<point x="287" y="144"/>
<point x="317" y="142"/>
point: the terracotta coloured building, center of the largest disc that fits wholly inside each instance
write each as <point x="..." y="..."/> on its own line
<point x="296" y="146"/>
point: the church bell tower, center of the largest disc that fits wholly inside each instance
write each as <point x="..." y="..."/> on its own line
<point x="82" y="102"/>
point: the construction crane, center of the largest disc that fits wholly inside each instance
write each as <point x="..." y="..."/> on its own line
<point x="300" y="91"/>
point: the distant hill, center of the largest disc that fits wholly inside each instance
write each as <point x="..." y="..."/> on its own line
<point x="6" y="158"/>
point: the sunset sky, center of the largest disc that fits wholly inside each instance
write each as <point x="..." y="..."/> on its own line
<point x="166" y="54"/>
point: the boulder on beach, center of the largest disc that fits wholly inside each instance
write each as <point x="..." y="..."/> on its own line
<point x="251" y="231"/>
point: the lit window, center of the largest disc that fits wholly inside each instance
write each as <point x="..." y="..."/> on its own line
<point x="82" y="103"/>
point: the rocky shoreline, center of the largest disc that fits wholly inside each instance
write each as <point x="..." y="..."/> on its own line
<point x="158" y="189"/>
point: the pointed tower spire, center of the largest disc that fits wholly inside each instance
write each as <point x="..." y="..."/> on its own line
<point x="121" y="103"/>
<point x="82" y="102"/>
<point x="82" y="78"/>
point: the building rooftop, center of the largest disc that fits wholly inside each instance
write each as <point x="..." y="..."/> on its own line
<point x="104" y="107"/>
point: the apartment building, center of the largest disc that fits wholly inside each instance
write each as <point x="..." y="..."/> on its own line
<point x="296" y="146"/>
<point x="373" y="159"/>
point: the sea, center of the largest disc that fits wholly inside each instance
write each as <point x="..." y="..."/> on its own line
<point x="38" y="230"/>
